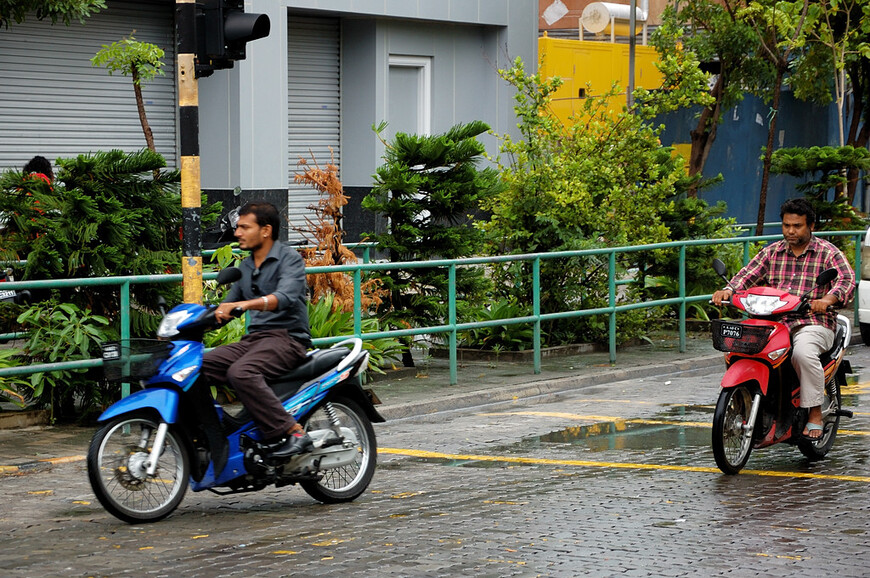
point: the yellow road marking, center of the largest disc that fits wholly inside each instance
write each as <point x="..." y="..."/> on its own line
<point x="65" y="460"/>
<point x="614" y="465"/>
<point x="606" y="418"/>
<point x="620" y="420"/>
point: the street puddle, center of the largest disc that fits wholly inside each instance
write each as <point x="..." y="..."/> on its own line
<point x="623" y="435"/>
<point x="643" y="441"/>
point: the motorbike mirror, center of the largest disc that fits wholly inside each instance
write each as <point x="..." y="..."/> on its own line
<point x="826" y="277"/>
<point x="229" y="275"/>
<point x="719" y="268"/>
<point x="161" y="305"/>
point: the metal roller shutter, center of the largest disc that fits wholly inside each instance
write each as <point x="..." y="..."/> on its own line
<point x="53" y="102"/>
<point x="314" y="104"/>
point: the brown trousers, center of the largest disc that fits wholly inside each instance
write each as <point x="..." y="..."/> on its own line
<point x="247" y="364"/>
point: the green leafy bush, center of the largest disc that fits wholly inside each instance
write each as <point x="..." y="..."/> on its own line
<point x="384" y="352"/>
<point x="107" y="214"/>
<point x="825" y="170"/>
<point x="513" y="337"/>
<point x="658" y="271"/>
<point x="63" y="332"/>
<point x="602" y="181"/>
<point x="14" y="389"/>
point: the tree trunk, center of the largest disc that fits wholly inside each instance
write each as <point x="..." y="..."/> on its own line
<point x="140" y="105"/>
<point x="705" y="134"/>
<point x="768" y="153"/>
<point x="859" y="131"/>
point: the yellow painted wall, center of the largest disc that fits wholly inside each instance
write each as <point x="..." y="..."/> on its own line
<point x="579" y="62"/>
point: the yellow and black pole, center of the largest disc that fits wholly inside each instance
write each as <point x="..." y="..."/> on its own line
<point x="188" y="114"/>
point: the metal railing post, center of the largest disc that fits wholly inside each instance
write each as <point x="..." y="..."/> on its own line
<point x="859" y="242"/>
<point x="357" y="302"/>
<point x="125" y="326"/>
<point x="611" y="282"/>
<point x="682" y="299"/>
<point x="451" y="314"/>
<point x="536" y="311"/>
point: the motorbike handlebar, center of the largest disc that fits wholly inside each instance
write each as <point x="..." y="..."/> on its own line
<point x="234" y="312"/>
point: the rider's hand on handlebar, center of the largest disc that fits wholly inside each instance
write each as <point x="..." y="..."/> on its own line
<point x="824" y="304"/>
<point x="721" y="295"/>
<point x="227" y="311"/>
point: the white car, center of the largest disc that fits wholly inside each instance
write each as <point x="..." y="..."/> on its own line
<point x="864" y="291"/>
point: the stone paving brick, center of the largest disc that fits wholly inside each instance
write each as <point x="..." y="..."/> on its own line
<point x="430" y="517"/>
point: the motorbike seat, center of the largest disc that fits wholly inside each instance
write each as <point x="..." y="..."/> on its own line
<point x="316" y="363"/>
<point x="834" y="351"/>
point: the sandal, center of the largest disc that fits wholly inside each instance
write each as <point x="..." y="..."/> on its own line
<point x="812" y="427"/>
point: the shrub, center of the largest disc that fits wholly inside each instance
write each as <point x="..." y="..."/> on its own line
<point x="384" y="352"/>
<point x="427" y="188"/>
<point x="602" y="181"/>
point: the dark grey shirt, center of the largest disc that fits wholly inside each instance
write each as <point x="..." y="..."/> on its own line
<point x="281" y="274"/>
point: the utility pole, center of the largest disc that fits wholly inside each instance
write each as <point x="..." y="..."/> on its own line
<point x="632" y="42"/>
<point x="188" y="114"/>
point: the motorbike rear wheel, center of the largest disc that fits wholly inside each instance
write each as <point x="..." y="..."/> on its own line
<point x="816" y="450"/>
<point x="731" y="442"/>
<point x="344" y="483"/>
<point x="117" y="463"/>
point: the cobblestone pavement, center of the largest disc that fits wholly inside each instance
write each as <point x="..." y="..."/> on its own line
<point x="614" y="480"/>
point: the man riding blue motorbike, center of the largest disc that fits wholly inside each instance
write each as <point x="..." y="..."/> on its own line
<point x="273" y="290"/>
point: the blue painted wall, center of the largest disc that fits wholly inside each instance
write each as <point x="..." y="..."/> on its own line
<point x="737" y="151"/>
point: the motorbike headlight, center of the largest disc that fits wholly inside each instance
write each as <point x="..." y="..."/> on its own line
<point x="761" y="304"/>
<point x="169" y="324"/>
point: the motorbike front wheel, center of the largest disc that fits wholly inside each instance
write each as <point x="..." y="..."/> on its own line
<point x="344" y="483"/>
<point x="117" y="469"/>
<point x="816" y="450"/>
<point x="731" y="442"/>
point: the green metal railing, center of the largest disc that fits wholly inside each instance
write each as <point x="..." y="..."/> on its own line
<point x="452" y="327"/>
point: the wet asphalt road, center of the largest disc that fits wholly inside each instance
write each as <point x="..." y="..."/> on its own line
<point x="617" y="480"/>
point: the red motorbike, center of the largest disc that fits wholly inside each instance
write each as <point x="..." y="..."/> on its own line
<point x="759" y="402"/>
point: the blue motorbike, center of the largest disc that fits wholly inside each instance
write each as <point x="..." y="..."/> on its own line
<point x="171" y="434"/>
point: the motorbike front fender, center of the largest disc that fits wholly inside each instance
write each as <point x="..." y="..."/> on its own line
<point x="163" y="401"/>
<point x="744" y="370"/>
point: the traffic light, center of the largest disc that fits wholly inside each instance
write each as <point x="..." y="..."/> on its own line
<point x="223" y="28"/>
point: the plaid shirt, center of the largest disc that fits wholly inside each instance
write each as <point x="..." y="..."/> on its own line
<point x="776" y="266"/>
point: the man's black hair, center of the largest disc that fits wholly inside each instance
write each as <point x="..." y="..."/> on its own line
<point x="266" y="214"/>
<point x="39" y="164"/>
<point x="799" y="206"/>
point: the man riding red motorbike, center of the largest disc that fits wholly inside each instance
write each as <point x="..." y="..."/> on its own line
<point x="792" y="265"/>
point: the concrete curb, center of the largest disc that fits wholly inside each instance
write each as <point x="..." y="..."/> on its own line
<point x="542" y="387"/>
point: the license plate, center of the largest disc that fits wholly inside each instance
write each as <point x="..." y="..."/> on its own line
<point x="733" y="330"/>
<point x="7" y="294"/>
